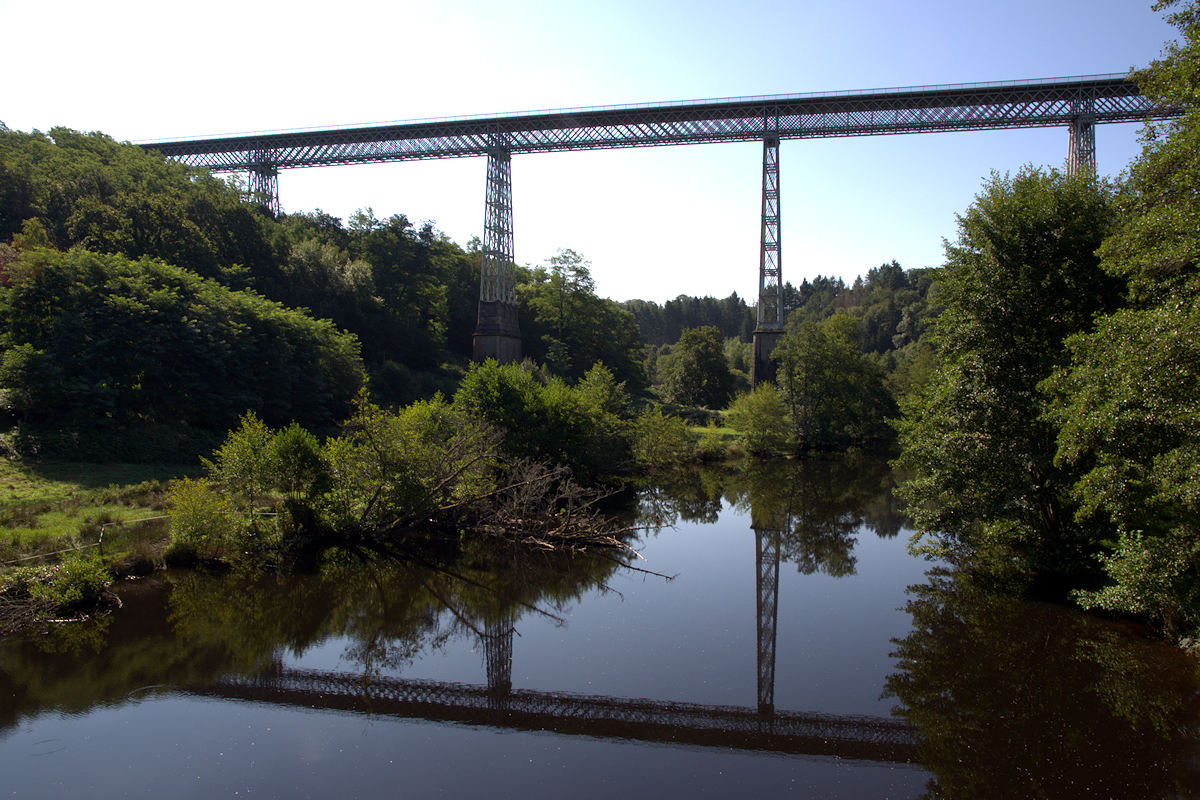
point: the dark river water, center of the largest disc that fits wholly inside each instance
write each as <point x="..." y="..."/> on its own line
<point x="787" y="644"/>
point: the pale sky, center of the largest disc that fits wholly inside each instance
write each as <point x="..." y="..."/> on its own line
<point x="654" y="222"/>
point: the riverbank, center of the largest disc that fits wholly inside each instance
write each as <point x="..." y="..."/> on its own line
<point x="51" y="506"/>
<point x="67" y="529"/>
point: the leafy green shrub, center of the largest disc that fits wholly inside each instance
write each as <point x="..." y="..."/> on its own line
<point x="547" y="420"/>
<point x="394" y="467"/>
<point x="74" y="584"/>
<point x="760" y="416"/>
<point x="202" y="520"/>
<point x="244" y="466"/>
<point x="1155" y="578"/>
<point x="299" y="469"/>
<point x="660" y="440"/>
<point x="713" y="445"/>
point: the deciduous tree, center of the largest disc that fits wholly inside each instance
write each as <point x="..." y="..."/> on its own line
<point x="1022" y="276"/>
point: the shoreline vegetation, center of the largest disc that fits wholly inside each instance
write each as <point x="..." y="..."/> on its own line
<point x="1040" y="387"/>
<point x="516" y="455"/>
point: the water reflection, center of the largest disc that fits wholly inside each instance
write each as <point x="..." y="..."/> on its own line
<point x="845" y="736"/>
<point x="1027" y="700"/>
<point x="814" y="508"/>
<point x="996" y="698"/>
<point x="193" y="628"/>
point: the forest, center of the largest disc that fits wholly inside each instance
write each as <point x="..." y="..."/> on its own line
<point x="1039" y="388"/>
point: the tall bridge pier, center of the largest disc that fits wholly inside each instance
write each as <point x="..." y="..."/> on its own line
<point x="264" y="182"/>
<point x="497" y="331"/>
<point x="497" y="661"/>
<point x="770" y="265"/>
<point x="1081" y="145"/>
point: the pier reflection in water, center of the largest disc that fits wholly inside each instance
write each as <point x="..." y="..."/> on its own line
<point x="557" y="672"/>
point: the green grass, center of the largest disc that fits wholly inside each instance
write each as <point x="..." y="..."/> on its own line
<point x="726" y="434"/>
<point x="47" y="506"/>
<point x="23" y="482"/>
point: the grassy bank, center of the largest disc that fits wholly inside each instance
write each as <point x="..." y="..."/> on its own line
<point x="49" y="506"/>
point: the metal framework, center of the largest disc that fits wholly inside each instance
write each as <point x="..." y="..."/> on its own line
<point x="770" y="261"/>
<point x="499" y="273"/>
<point x="497" y="328"/>
<point x="958" y="107"/>
<point x="766" y="561"/>
<point x="264" y="182"/>
<point x="1080" y="103"/>
<point x="843" y="736"/>
<point x="1081" y="147"/>
<point x="497" y="659"/>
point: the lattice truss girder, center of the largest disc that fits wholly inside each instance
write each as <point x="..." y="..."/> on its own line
<point x="921" y="110"/>
<point x="498" y="273"/>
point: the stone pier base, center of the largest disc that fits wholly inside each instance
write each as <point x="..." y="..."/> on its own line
<point x="764" y="367"/>
<point x="497" y="333"/>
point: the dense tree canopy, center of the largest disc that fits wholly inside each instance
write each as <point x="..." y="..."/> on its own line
<point x="405" y="291"/>
<point x="834" y="394"/>
<point x="117" y="358"/>
<point x="1128" y="405"/>
<point x="1022" y="276"/>
<point x="697" y="373"/>
<point x="665" y="323"/>
<point x="87" y="190"/>
<point x="567" y="327"/>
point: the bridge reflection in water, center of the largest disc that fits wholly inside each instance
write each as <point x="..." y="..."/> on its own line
<point x="853" y="737"/>
<point x="498" y="705"/>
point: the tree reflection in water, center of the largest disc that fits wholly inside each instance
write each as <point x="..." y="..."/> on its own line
<point x="1009" y="699"/>
<point x="1080" y="709"/>
<point x="388" y="608"/>
<point x="816" y="507"/>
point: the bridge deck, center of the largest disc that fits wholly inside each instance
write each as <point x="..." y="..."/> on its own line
<point x="980" y="106"/>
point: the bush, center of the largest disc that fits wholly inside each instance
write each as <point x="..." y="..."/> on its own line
<point x="1155" y="578"/>
<point x="202" y="521"/>
<point x="30" y="594"/>
<point x="547" y="420"/>
<point x="760" y="416"/>
<point x="660" y="440"/>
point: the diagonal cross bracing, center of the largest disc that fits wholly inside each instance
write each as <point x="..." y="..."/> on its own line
<point x="1109" y="98"/>
<point x="770" y="262"/>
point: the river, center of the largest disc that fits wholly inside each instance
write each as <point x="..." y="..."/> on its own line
<point x="773" y="637"/>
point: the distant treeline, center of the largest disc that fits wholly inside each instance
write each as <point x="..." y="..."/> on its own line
<point x="697" y="350"/>
<point x="890" y="301"/>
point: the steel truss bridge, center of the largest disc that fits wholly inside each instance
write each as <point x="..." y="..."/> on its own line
<point x="858" y="737"/>
<point x="1078" y="104"/>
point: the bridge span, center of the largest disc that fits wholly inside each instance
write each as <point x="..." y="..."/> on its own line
<point x="1077" y="103"/>
<point x="856" y="737"/>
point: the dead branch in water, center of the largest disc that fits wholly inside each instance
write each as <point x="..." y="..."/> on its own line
<point x="545" y="508"/>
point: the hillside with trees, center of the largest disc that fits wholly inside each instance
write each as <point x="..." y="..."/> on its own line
<point x="142" y="295"/>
